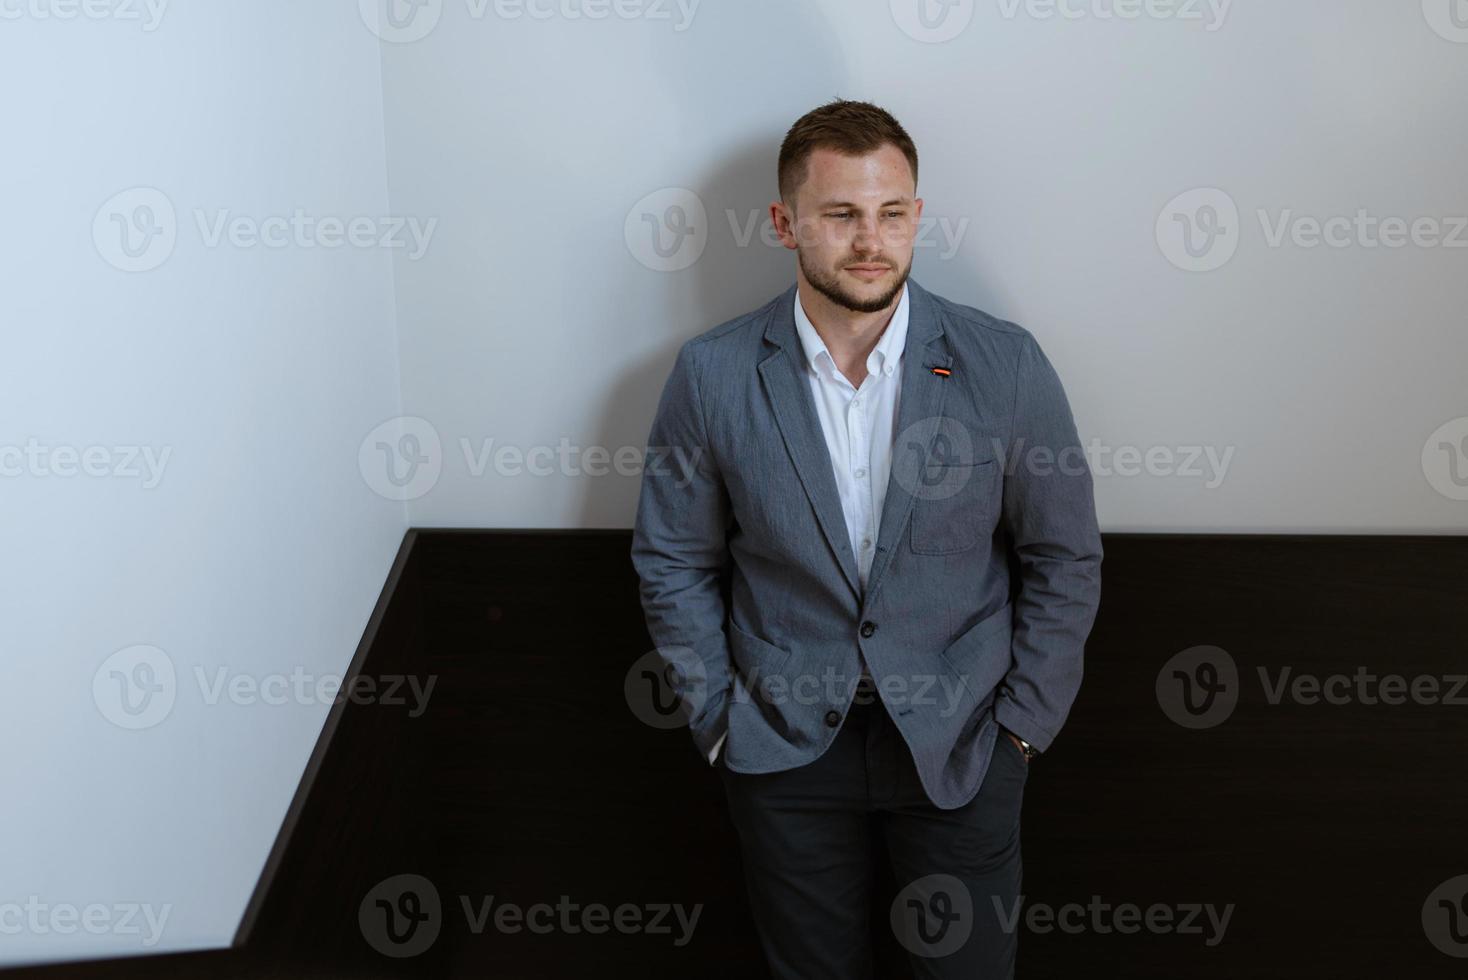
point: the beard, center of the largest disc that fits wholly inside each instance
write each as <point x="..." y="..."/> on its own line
<point x="831" y="287"/>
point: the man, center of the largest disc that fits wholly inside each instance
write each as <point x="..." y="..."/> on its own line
<point x="894" y="485"/>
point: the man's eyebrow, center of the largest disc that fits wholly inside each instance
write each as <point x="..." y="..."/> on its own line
<point x="852" y="204"/>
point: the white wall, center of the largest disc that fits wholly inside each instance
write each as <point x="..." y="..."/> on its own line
<point x="1050" y="147"/>
<point x="259" y="548"/>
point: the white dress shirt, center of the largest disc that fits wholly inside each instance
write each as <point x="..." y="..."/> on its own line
<point x="858" y="424"/>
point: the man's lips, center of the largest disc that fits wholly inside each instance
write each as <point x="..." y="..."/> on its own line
<point x="868" y="271"/>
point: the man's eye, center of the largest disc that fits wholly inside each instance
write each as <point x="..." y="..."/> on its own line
<point x="842" y="214"/>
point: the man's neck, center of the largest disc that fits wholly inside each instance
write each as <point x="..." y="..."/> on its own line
<point x="849" y="336"/>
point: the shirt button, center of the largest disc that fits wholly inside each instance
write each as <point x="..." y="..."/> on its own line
<point x="861" y="473"/>
<point x="868" y="628"/>
<point x="833" y="718"/>
<point x="866" y="542"/>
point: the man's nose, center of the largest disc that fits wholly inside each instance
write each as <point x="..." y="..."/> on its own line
<point x="868" y="236"/>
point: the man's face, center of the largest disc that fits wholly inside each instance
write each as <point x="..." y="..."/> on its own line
<point x="854" y="223"/>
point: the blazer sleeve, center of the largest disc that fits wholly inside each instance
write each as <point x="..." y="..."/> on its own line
<point x="680" y="550"/>
<point x="1049" y="509"/>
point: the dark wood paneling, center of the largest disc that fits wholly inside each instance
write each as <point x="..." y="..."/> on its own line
<point x="1326" y="824"/>
<point x="528" y="778"/>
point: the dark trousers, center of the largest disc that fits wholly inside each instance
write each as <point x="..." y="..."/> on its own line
<point x="803" y="835"/>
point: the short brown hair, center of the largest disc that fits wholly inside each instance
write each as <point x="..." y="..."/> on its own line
<point x="848" y="127"/>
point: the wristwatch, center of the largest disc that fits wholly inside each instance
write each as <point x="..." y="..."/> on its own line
<point x="1029" y="750"/>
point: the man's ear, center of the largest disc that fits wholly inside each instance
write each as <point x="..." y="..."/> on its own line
<point x="779" y="210"/>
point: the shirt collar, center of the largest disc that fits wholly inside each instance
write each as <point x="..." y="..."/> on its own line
<point x="884" y="357"/>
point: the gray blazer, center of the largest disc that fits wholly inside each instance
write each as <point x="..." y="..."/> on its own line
<point x="987" y="572"/>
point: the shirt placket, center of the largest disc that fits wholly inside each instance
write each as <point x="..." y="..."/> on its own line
<point x="859" y="438"/>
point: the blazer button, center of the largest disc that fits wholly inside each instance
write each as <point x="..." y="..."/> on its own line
<point x="868" y="628"/>
<point x="833" y="718"/>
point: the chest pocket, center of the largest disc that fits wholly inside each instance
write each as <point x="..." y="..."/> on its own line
<point x="956" y="506"/>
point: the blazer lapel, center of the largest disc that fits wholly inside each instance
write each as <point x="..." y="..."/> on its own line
<point x="919" y="411"/>
<point x="783" y="372"/>
<point x="918" y="408"/>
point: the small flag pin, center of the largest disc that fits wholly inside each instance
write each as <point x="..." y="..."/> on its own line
<point x="941" y="372"/>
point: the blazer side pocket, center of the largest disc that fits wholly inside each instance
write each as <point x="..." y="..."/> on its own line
<point x="754" y="658"/>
